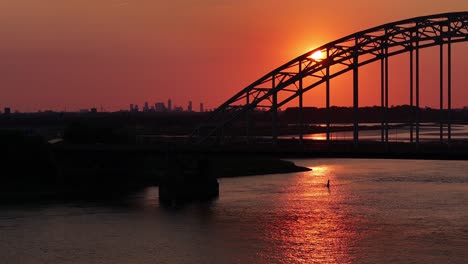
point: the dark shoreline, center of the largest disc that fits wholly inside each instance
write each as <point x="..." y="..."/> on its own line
<point x="97" y="179"/>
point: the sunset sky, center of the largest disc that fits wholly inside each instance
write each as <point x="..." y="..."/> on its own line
<point x="72" y="54"/>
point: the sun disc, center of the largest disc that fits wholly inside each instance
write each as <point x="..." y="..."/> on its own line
<point x="318" y="55"/>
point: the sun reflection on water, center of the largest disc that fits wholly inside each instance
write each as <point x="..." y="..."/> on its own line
<point x="321" y="171"/>
<point x="318" y="136"/>
<point x="312" y="225"/>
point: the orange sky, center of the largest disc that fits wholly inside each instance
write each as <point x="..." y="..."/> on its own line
<point x="73" y="54"/>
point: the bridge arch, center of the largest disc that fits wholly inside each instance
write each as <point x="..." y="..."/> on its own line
<point x="349" y="53"/>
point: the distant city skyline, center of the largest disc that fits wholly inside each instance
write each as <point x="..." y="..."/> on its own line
<point x="162" y="107"/>
<point x="157" y="106"/>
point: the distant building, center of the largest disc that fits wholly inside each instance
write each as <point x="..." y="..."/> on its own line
<point x="201" y="108"/>
<point x="131" y="108"/>
<point x="178" y="109"/>
<point x="146" y="107"/>
<point x="136" y="108"/>
<point x="169" y="105"/>
<point x="84" y="111"/>
<point x="189" y="107"/>
<point x="7" y="111"/>
<point x="160" y="107"/>
<point x="94" y="110"/>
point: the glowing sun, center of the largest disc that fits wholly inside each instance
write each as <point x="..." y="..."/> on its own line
<point x="318" y="55"/>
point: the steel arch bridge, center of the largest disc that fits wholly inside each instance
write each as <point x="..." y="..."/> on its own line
<point x="303" y="73"/>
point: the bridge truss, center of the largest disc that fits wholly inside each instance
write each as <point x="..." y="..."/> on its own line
<point x="304" y="73"/>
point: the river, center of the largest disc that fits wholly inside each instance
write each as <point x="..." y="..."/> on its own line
<point x="375" y="211"/>
<point x="398" y="133"/>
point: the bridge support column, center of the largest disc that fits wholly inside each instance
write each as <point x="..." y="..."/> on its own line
<point x="382" y="96"/>
<point x="386" y="98"/>
<point x="449" y="90"/>
<point x="411" y="94"/>
<point x="441" y="96"/>
<point x="356" y="97"/>
<point x="274" y="114"/>
<point x="247" y="119"/>
<point x="417" y="95"/>
<point x="327" y="99"/>
<point x="301" y="114"/>
<point x="275" y="120"/>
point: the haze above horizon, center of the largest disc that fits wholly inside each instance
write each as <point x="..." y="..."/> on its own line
<point x="89" y="53"/>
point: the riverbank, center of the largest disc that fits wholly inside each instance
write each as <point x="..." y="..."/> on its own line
<point x="107" y="172"/>
<point x="228" y="167"/>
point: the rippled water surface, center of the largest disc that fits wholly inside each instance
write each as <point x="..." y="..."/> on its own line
<point x="376" y="211"/>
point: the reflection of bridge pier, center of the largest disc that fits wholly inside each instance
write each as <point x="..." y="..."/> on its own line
<point x="308" y="71"/>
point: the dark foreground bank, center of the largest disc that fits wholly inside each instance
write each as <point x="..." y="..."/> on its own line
<point x="33" y="169"/>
